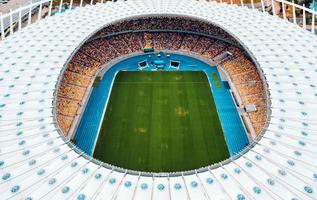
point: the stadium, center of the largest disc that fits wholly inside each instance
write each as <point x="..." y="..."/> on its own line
<point x="158" y="99"/>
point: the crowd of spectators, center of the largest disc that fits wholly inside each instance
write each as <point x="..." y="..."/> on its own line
<point x="147" y="40"/>
<point x="166" y="23"/>
<point x="189" y="42"/>
<point x="249" y="85"/>
<point x="216" y="48"/>
<point x="119" y="44"/>
<point x="162" y="40"/>
<point x="74" y="84"/>
<point x="134" y="41"/>
<point x="176" y="40"/>
<point x="202" y="45"/>
<point x="83" y="67"/>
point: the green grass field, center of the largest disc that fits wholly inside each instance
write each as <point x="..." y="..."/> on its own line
<point x="161" y="122"/>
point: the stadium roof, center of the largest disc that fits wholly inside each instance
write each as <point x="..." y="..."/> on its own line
<point x="36" y="162"/>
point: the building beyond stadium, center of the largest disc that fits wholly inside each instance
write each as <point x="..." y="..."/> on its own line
<point x="47" y="71"/>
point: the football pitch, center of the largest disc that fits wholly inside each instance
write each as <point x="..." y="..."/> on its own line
<point x="161" y="121"/>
